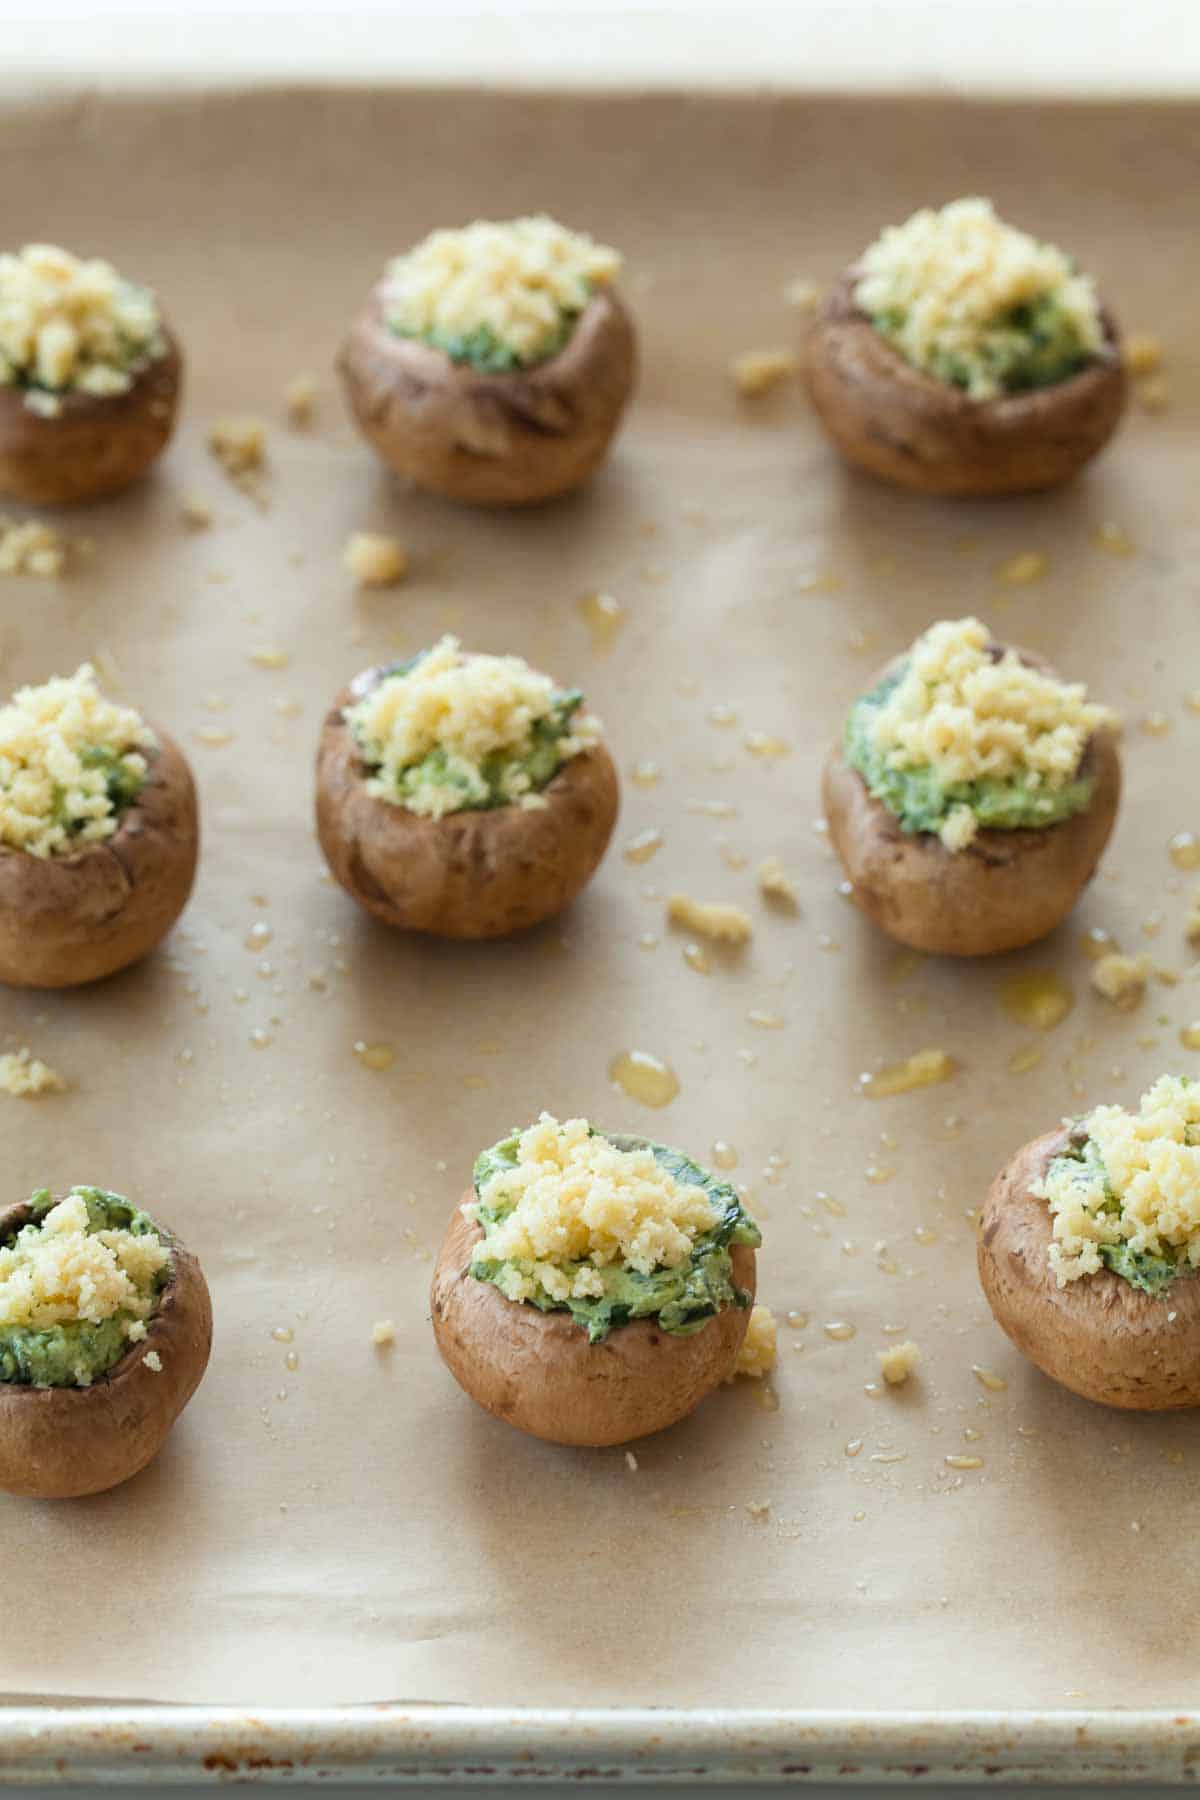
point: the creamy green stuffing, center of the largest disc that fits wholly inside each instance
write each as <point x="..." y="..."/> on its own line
<point x="71" y="764"/>
<point x="923" y="799"/>
<point x="71" y="324"/>
<point x="607" y="1227"/>
<point x="965" y="735"/>
<point x="1124" y="1194"/>
<point x="78" y="1283"/>
<point x="443" y="732"/>
<point x="978" y="304"/>
<point x="499" y="296"/>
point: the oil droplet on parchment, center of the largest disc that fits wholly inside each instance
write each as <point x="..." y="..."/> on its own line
<point x="1039" y="998"/>
<point x="604" y="616"/>
<point x="644" y="1077"/>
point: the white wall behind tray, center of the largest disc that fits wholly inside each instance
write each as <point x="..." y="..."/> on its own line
<point x="978" y="45"/>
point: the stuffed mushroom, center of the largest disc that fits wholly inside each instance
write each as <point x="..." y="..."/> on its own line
<point x="1088" y="1248"/>
<point x="98" y="834"/>
<point x="593" y="1288"/>
<point x="972" y="794"/>
<point x="493" y="364"/>
<point x="959" y="355"/>
<point x="89" y="377"/>
<point x="463" y="795"/>
<point x="105" y="1332"/>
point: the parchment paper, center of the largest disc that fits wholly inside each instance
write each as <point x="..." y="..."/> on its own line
<point x="353" y="1528"/>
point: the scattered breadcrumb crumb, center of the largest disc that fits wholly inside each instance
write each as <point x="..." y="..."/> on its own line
<point x="1020" y="570"/>
<point x="1121" y="979"/>
<point x="1191" y="925"/>
<point x="774" y="883"/>
<point x="1142" y="353"/>
<point x="631" y="1462"/>
<point x="383" y="1332"/>
<point x="756" y="1357"/>
<point x="266" y="658"/>
<point x="27" y="547"/>
<point x="756" y="371"/>
<point x="195" y="512"/>
<point x="374" y="559"/>
<point x="23" y="1074"/>
<point x="153" y="1361"/>
<point x="759" y="1510"/>
<point x="300" y="398"/>
<point x="711" y="918"/>
<point x="240" y="446"/>
<point x="1152" y="395"/>
<point x="897" y="1362"/>
<point x="802" y="293"/>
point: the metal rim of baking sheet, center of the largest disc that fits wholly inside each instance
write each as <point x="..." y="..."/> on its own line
<point x="119" y="1743"/>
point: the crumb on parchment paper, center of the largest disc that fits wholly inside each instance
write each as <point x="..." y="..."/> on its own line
<point x="897" y="1362"/>
<point x="1121" y="979"/>
<point x="776" y="885"/>
<point x="756" y="1358"/>
<point x="25" y="1076"/>
<point x="28" y="547"/>
<point x="710" y="918"/>
<point x="375" y="559"/>
<point x="300" y="398"/>
<point x="755" y="372"/>
<point x="196" y="512"/>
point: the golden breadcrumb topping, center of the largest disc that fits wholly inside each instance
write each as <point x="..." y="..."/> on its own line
<point x="504" y="287"/>
<point x="575" y="1197"/>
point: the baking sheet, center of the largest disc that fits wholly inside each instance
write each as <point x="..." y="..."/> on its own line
<point x="352" y="1529"/>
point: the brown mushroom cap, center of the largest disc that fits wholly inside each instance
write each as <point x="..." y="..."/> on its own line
<point x="96" y="444"/>
<point x="1005" y="890"/>
<point x="57" y="1443"/>
<point x="479" y="873"/>
<point x="538" y="1372"/>
<point x="69" y="919"/>
<point x="493" y="440"/>
<point x="1099" y="1336"/>
<point x="908" y="427"/>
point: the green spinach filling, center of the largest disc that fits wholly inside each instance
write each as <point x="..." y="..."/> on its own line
<point x="681" y="1298"/>
<point x="1033" y="345"/>
<point x="921" y="800"/>
<point x="122" y="785"/>
<point x="481" y="786"/>
<point x="53" y="1355"/>
<point x="1082" y="1164"/>
<point x="481" y="349"/>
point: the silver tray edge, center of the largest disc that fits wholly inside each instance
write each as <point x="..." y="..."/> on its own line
<point x="121" y="1744"/>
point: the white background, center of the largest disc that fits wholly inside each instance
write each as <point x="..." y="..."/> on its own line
<point x="1151" y="46"/>
<point x="1012" y="45"/>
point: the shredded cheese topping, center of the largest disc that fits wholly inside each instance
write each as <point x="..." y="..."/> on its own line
<point x="70" y="324"/>
<point x="446" y="716"/>
<point x="68" y="759"/>
<point x="1136" y="1188"/>
<point x="499" y="294"/>
<point x="576" y="1198"/>
<point x="969" y="715"/>
<point x="57" y="1271"/>
<point x="957" y="292"/>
